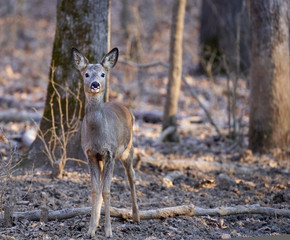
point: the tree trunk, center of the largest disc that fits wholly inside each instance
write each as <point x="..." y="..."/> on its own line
<point x="131" y="27"/>
<point x="270" y="80"/>
<point x="175" y="69"/>
<point x="224" y="28"/>
<point x="84" y="25"/>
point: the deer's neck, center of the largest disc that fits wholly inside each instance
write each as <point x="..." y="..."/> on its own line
<point x="94" y="103"/>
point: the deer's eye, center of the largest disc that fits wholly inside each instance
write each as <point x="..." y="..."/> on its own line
<point x="87" y="75"/>
<point x="103" y="75"/>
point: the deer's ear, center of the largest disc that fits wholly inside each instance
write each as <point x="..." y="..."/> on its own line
<point x="79" y="60"/>
<point x="110" y="59"/>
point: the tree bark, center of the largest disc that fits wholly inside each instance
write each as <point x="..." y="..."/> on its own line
<point x="84" y="25"/>
<point x="270" y="80"/>
<point x="175" y="69"/>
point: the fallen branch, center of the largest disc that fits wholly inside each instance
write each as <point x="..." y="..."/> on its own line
<point x="157" y="117"/>
<point x="149" y="116"/>
<point x="201" y="165"/>
<point x="204" y="166"/>
<point x="161" y="213"/>
<point x="19" y="116"/>
<point x="12" y="102"/>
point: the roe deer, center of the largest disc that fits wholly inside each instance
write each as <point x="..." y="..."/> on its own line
<point x="106" y="136"/>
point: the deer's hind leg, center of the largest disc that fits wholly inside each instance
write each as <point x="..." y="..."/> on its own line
<point x="128" y="164"/>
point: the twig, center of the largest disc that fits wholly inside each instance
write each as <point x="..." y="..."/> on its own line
<point x="76" y="160"/>
<point x="160" y="213"/>
<point x="56" y="139"/>
<point x="47" y="151"/>
<point x="7" y="168"/>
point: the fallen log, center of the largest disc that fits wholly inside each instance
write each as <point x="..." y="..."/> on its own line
<point x="161" y="213"/>
<point x="12" y="102"/>
<point x="198" y="164"/>
<point x="204" y="166"/>
<point x="157" y="117"/>
<point x="149" y="116"/>
<point x="19" y="116"/>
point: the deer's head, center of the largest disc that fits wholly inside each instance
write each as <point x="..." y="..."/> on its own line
<point x="94" y="75"/>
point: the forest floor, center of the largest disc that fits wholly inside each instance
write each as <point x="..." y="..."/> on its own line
<point x="209" y="170"/>
<point x="230" y="175"/>
<point x="267" y="185"/>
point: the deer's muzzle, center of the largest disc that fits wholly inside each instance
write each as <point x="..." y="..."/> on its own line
<point x="95" y="87"/>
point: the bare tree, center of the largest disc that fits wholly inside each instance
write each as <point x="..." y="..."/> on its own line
<point x="270" y="80"/>
<point x="131" y="26"/>
<point x="81" y="24"/>
<point x="175" y="69"/>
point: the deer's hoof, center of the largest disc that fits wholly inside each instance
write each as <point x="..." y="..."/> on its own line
<point x="109" y="234"/>
<point x="91" y="233"/>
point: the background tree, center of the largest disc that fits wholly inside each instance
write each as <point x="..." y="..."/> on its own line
<point x="270" y="80"/>
<point x="225" y="32"/>
<point x="131" y="27"/>
<point x="81" y="24"/>
<point x="175" y="69"/>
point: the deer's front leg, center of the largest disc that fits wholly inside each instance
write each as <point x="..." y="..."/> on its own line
<point x="96" y="168"/>
<point x="107" y="179"/>
<point x="128" y="164"/>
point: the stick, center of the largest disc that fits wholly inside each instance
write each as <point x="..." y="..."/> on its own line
<point x="161" y="213"/>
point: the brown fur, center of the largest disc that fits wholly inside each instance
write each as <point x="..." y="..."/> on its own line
<point x="107" y="134"/>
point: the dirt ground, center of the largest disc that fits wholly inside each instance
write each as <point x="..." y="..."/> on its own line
<point x="269" y="186"/>
<point x="24" y="67"/>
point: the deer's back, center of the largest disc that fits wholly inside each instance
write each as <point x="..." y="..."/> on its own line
<point x="108" y="129"/>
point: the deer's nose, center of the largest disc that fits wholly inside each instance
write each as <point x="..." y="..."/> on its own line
<point x="95" y="85"/>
